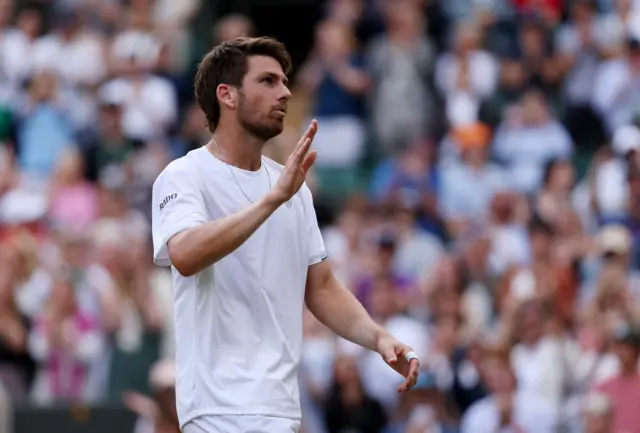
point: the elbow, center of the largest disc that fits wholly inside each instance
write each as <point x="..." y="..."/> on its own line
<point x="184" y="267"/>
<point x="181" y="256"/>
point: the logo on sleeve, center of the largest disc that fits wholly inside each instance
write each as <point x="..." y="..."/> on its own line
<point x="167" y="199"/>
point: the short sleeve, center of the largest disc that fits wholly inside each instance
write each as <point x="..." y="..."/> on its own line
<point x="177" y="206"/>
<point x="317" y="250"/>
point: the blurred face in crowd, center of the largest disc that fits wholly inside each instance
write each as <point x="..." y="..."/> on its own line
<point x="627" y="353"/>
<point x="531" y="322"/>
<point x="383" y="302"/>
<point x="262" y="102"/>
<point x="532" y="40"/>
<point x="561" y="177"/>
<point x="447" y="329"/>
<point x="346" y="370"/>
<point x="6" y="8"/>
<point x="385" y="255"/>
<point x="475" y="156"/>
<point x="611" y="296"/>
<point x="233" y="27"/>
<point x="634" y="183"/>
<point x="623" y="7"/>
<point x="512" y="74"/>
<point x="30" y="22"/>
<point x="467" y="37"/>
<point x="44" y="87"/>
<point x="6" y="286"/>
<point x="582" y="12"/>
<point x="497" y="375"/>
<point x="70" y="168"/>
<point x="502" y="208"/>
<point x="63" y="298"/>
<point x="350" y="224"/>
<point x="633" y="54"/>
<point x="534" y="109"/>
<point x="404" y="16"/>
<point x="111" y="119"/>
<point x="347" y="11"/>
<point x="334" y="39"/>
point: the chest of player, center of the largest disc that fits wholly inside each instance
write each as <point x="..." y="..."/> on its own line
<point x="284" y="233"/>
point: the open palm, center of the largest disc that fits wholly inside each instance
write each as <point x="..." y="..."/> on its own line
<point x="298" y="164"/>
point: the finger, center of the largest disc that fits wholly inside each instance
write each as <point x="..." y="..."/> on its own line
<point x="390" y="357"/>
<point x="308" y="161"/>
<point x="313" y="129"/>
<point x="296" y="150"/>
<point x="412" y="377"/>
<point x="302" y="150"/>
<point x="310" y="133"/>
<point x="414" y="365"/>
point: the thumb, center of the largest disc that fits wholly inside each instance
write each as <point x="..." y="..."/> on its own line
<point x="308" y="161"/>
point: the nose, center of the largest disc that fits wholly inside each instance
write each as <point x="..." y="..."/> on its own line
<point x="285" y="93"/>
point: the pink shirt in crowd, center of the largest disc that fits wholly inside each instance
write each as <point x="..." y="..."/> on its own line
<point x="624" y="392"/>
<point x="74" y="206"/>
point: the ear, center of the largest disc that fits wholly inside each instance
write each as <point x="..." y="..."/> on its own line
<point x="227" y="95"/>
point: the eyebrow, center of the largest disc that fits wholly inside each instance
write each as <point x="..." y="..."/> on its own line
<point x="284" y="78"/>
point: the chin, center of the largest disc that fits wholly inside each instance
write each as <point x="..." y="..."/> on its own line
<point x="266" y="131"/>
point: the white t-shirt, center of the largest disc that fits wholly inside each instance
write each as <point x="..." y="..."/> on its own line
<point x="238" y="323"/>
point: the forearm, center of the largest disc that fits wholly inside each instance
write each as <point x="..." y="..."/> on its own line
<point x="337" y="308"/>
<point x="193" y="250"/>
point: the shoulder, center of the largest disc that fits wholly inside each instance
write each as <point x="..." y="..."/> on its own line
<point x="183" y="169"/>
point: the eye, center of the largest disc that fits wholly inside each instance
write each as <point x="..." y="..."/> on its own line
<point x="269" y="80"/>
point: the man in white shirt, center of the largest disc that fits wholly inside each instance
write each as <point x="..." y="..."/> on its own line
<point x="241" y="236"/>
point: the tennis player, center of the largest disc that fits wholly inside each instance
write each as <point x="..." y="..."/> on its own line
<point x="241" y="235"/>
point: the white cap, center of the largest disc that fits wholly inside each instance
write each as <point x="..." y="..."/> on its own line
<point x="108" y="232"/>
<point x="614" y="238"/>
<point x="21" y="206"/>
<point x="625" y="139"/>
<point x="139" y="46"/>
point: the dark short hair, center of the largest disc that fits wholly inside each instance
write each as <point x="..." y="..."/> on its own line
<point x="226" y="63"/>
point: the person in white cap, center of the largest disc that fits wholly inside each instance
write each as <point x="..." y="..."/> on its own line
<point x="241" y="235"/>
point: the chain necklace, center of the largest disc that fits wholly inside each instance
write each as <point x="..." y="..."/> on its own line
<point x="262" y="165"/>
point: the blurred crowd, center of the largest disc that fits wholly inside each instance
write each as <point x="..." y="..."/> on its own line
<point x="478" y="184"/>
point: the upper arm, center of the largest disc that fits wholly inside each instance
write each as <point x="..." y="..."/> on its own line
<point x="317" y="250"/>
<point x="318" y="276"/>
<point x="177" y="206"/>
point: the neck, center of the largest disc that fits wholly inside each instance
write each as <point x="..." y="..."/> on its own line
<point x="237" y="146"/>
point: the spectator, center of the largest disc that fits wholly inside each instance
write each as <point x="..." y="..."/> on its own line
<point x="335" y="76"/>
<point x="517" y="138"/>
<point x="507" y="407"/>
<point x="401" y="63"/>
<point x="623" y="387"/>
<point x="65" y="341"/>
<point x="348" y="406"/>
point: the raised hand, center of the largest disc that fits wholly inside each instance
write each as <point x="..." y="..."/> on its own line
<point x="298" y="165"/>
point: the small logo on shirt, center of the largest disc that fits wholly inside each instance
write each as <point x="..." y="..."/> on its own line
<point x="324" y="258"/>
<point x="167" y="199"/>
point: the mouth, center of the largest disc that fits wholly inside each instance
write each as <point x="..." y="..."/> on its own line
<point x="281" y="113"/>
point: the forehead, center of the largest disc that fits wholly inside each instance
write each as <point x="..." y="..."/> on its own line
<point x="259" y="65"/>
